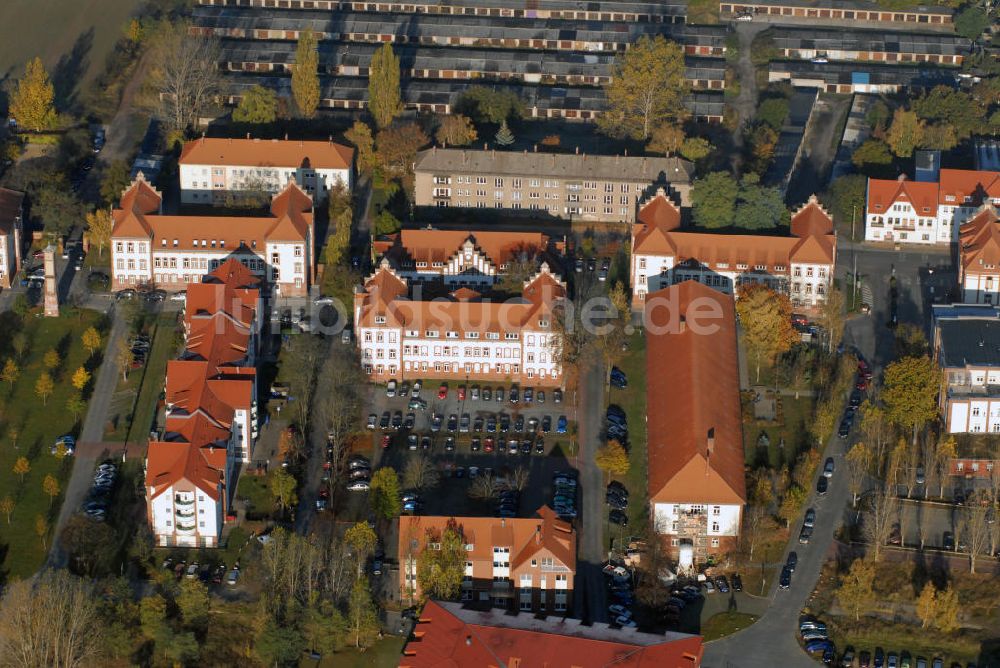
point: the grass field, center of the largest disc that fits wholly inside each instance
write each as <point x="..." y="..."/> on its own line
<point x="37" y="425"/>
<point x="724" y="624"/>
<point x="72" y="37"/>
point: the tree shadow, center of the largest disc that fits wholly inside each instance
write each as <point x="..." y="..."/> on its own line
<point x="71" y="68"/>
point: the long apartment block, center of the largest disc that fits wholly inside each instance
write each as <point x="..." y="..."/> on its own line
<point x="850" y="77"/>
<point x="869" y="45"/>
<point x="835" y="12"/>
<point x="455" y="63"/>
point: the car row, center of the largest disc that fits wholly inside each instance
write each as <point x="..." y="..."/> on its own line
<point x="620" y="589"/>
<point x="816" y="641"/>
<point x="485" y="393"/>
<point x="358" y="474"/>
<point x="882" y="659"/>
<point x="96" y="505"/>
<point x="617" y="421"/>
<point x="564" y="493"/>
<point x="207" y="573"/>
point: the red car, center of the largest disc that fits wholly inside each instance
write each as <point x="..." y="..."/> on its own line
<point x="461" y="392"/>
<point x="386" y="440"/>
<point x="443" y="392"/>
<point x="488" y="445"/>
<point x="862" y="384"/>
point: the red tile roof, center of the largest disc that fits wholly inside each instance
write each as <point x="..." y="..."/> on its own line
<point x="267" y="153"/>
<point x="957" y="184"/>
<point x="430" y="245"/>
<point x="694" y="419"/>
<point x="447" y="635"/>
<point x="979" y="241"/>
<point x="883" y="193"/>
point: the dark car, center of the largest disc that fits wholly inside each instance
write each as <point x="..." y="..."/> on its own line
<point x="792" y="561"/>
<point x="737" y="582"/>
<point x="723" y="584"/>
<point x="618" y="517"/>
<point x="821" y="485"/>
<point x="847" y="660"/>
<point x="617" y="501"/>
<point x="865" y="659"/>
<point x="948" y="542"/>
<point x="785" y="581"/>
<point x="879" y="658"/>
<point x="618" y="378"/>
<point x="855" y="398"/>
<point x="845" y="428"/>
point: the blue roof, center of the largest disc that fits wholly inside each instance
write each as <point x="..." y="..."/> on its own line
<point x="860" y="78"/>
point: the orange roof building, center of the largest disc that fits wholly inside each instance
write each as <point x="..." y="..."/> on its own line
<point x="172" y="252"/>
<point x="462" y="334"/>
<point x="979" y="257"/>
<point x="216" y="170"/>
<point x="695" y="454"/>
<point x="447" y="635"/>
<point x="513" y="563"/>
<point x="211" y="411"/>
<point x="801" y="265"/>
<point x="927" y="212"/>
<point x="462" y="257"/>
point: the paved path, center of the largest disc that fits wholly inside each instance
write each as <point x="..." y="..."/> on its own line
<point x="313" y="474"/>
<point x="590" y="587"/>
<point x="90" y="437"/>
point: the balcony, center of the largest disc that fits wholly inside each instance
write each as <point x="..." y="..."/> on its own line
<point x="185" y="512"/>
<point x="185" y="527"/>
<point x="180" y="501"/>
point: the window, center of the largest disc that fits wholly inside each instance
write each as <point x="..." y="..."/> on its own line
<point x="715" y="542"/>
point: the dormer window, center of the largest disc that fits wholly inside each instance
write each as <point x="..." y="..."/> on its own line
<point x="380" y="320"/>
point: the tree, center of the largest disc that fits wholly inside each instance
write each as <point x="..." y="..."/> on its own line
<point x="489" y="105"/>
<point x="666" y="139"/>
<point x="91" y="339"/>
<point x="152" y="615"/>
<point x="10" y="373"/>
<point x="878" y="117"/>
<point x="384" y="100"/>
<point x="695" y="148"/>
<point x="871" y="156"/>
<point x="185" y="75"/>
<point x="762" y="139"/>
<point x="766" y="322"/>
<point x="791" y="504"/>
<point x="906" y="133"/>
<point x="362" y="539"/>
<point x="713" y="199"/>
<point x="325" y="628"/>
<point x="773" y="111"/>
<point x="116" y="179"/>
<point x="945" y="451"/>
<point x="194" y="604"/>
<point x="50" y="485"/>
<point x="926" y="605"/>
<point x="76" y="406"/>
<point x="909" y="341"/>
<point x="20" y="344"/>
<point x="124" y="357"/>
<point x="944" y="104"/>
<point x="759" y="207"/>
<point x="484" y="488"/>
<point x="258" y="104"/>
<point x="305" y="75"/>
<point x="92" y="547"/>
<point x="80" y="378"/>
<point x="504" y="137"/>
<point x="134" y="32"/>
<point x="22" y="467"/>
<point x="44" y="387"/>
<point x="855" y="592"/>
<point x="647" y="89"/>
<point x="440" y="570"/>
<point x="50" y="620"/>
<point x="881" y="514"/>
<point x="283" y="485"/>
<point x="845" y="200"/>
<point x="31" y="103"/>
<point x="612" y="459"/>
<point x="59" y="209"/>
<point x="386" y="223"/>
<point x="948" y="608"/>
<point x="7" y="507"/>
<point x="456" y="130"/>
<point x="939" y="136"/>
<point x="420" y="473"/>
<point x="41" y="529"/>
<point x="277" y="645"/>
<point x="977" y="516"/>
<point x="99" y="226"/>
<point x="971" y="22"/>
<point x="397" y="147"/>
<point x="910" y="388"/>
<point x="362" y="615"/>
<point x="384" y="496"/>
<point x="859" y="467"/>
<point x="360" y="135"/>
<point x="832" y="317"/>
<point x="51" y="359"/>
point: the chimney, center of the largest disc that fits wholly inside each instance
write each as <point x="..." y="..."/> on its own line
<point x="626" y="153"/>
<point x="709" y="448"/>
<point x="538" y="535"/>
<point x="230" y="140"/>
<point x="248" y="135"/>
<point x="503" y="522"/>
<point x="485" y="146"/>
<point x="578" y="150"/>
<point x="536" y="148"/>
<point x="329" y="138"/>
<point x="286" y="136"/>
<point x="901" y="177"/>
<point x="493" y="154"/>
<point x="468" y="641"/>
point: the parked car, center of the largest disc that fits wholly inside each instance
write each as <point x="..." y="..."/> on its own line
<point x="390" y="389"/>
<point x="822" y="485"/>
<point x="785" y="581"/>
<point x="791" y="562"/>
<point x="618" y="517"/>
<point x="810" y="518"/>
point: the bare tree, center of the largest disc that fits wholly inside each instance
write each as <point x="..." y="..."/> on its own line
<point x="859" y="466"/>
<point x="342" y="405"/>
<point x="877" y="430"/>
<point x="51" y="620"/>
<point x="303" y="360"/>
<point x="420" y="473"/>
<point x="518" y="478"/>
<point x="975" y="526"/>
<point x="484" y="488"/>
<point x="882" y="513"/>
<point x="185" y="75"/>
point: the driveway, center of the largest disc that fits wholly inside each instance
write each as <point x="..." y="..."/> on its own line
<point x="818" y="148"/>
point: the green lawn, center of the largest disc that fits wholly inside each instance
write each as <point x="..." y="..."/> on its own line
<point x="254" y="488"/>
<point x="724" y="624"/>
<point x="37" y="425"/>
<point x="703" y="11"/>
<point x="72" y="37"/>
<point x="791" y="426"/>
<point x="384" y="653"/>
<point x="633" y="400"/>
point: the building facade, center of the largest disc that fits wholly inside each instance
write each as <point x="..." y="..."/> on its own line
<point x="462" y="257"/>
<point x="172" y="252"/>
<point x="212" y="170"/>
<point x="838" y="11"/>
<point x="965" y="346"/>
<point x="801" y="265"/>
<point x="572" y="187"/>
<point x="927" y="212"/>
<point x="11" y="235"/>
<point x="460" y="335"/>
<point x="525" y="564"/>
<point x="448" y="634"/>
<point x="211" y="412"/>
<point x="979" y="258"/>
<point x="695" y="452"/>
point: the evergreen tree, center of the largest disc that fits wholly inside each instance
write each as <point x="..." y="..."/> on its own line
<point x="504" y="136"/>
<point x="305" y="76"/>
<point x="384" y="100"/>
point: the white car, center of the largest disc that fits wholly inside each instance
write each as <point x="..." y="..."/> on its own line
<point x="745" y="17"/>
<point x="390" y="389"/>
<point x="321" y="301"/>
<point x="179" y="296"/>
<point x="359" y="486"/>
